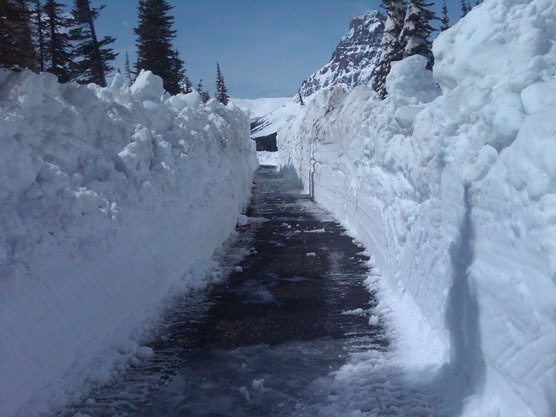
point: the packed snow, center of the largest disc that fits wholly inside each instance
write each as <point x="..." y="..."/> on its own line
<point x="451" y="184"/>
<point x="111" y="198"/>
<point x="259" y="107"/>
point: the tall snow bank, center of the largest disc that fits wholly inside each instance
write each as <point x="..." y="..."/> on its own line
<point x="109" y="196"/>
<point x="454" y="194"/>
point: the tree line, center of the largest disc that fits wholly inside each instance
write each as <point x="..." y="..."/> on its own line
<point x="43" y="36"/>
<point x="407" y="32"/>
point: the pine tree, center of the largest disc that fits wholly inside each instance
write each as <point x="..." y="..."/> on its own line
<point x="415" y="36"/>
<point x="128" y="74"/>
<point x="186" y="87"/>
<point x="16" y="45"/>
<point x="93" y="56"/>
<point x="38" y="20"/>
<point x="200" y="89"/>
<point x="464" y="8"/>
<point x="58" y="57"/>
<point x="445" y="22"/>
<point x="390" y="44"/>
<point x="178" y="70"/>
<point x="154" y="43"/>
<point x="221" y="90"/>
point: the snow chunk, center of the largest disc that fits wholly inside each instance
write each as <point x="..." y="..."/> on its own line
<point x="356" y="312"/>
<point x="144" y="352"/>
<point x="410" y="78"/>
<point x="193" y="99"/>
<point x="147" y="86"/>
<point x="245" y="392"/>
<point x="242" y="220"/>
<point x="257" y="384"/>
<point x="538" y="96"/>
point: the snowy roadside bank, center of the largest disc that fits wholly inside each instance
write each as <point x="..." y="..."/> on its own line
<point x="109" y="198"/>
<point x="452" y="190"/>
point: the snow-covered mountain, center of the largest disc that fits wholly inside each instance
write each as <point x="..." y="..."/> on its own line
<point x="259" y="107"/>
<point x="354" y="59"/>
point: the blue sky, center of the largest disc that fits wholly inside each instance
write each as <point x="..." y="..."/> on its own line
<point x="266" y="48"/>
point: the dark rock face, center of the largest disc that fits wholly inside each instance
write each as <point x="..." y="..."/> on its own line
<point x="354" y="60"/>
<point x="266" y="143"/>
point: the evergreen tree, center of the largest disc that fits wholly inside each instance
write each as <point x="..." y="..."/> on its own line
<point x="58" y="57"/>
<point x="391" y="48"/>
<point x="94" y="56"/>
<point x="154" y="43"/>
<point x="16" y="45"/>
<point x="221" y="90"/>
<point x="178" y="70"/>
<point x="415" y="36"/>
<point x="38" y="20"/>
<point x="128" y="73"/>
<point x="464" y="8"/>
<point x="186" y="87"/>
<point x="445" y="22"/>
<point x="200" y="89"/>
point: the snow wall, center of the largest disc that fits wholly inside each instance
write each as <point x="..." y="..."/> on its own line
<point x="110" y="197"/>
<point x="451" y="184"/>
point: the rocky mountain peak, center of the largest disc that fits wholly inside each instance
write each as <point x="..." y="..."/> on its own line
<point x="354" y="60"/>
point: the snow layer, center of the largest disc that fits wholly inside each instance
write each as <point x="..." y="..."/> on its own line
<point x="259" y="107"/>
<point x="109" y="196"/>
<point x="453" y="191"/>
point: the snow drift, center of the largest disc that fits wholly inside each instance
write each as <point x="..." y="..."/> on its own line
<point x="453" y="191"/>
<point x="109" y="197"/>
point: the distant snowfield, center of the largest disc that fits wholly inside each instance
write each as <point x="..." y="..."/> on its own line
<point x="258" y="107"/>
<point x="111" y="198"/>
<point x="453" y="192"/>
<point x="268" y="158"/>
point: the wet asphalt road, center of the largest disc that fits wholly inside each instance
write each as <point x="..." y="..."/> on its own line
<point x="253" y="343"/>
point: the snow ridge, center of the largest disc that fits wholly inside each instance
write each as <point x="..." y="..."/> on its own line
<point x="453" y="192"/>
<point x="110" y="197"/>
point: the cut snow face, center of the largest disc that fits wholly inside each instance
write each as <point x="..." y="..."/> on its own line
<point x="453" y="191"/>
<point x="109" y="198"/>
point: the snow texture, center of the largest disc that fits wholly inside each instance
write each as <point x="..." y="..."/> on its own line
<point x="453" y="191"/>
<point x="110" y="198"/>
